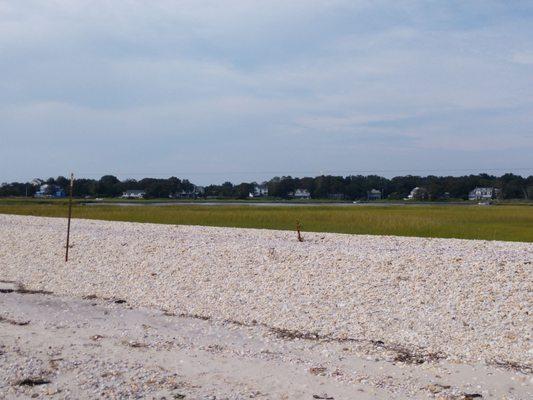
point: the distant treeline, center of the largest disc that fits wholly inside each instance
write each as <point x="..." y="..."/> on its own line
<point x="320" y="187"/>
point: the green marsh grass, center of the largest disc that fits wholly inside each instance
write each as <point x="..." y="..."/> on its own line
<point x="509" y="223"/>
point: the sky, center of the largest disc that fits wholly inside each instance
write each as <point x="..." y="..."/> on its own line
<point x="244" y="90"/>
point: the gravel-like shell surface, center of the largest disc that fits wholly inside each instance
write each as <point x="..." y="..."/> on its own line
<point x="465" y="300"/>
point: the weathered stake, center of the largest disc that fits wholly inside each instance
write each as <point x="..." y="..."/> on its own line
<point x="298" y="228"/>
<point x="69" y="214"/>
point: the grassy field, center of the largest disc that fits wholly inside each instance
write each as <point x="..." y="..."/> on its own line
<point x="512" y="223"/>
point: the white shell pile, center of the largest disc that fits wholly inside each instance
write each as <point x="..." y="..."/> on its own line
<point x="466" y="300"/>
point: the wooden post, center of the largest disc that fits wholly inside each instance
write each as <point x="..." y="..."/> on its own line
<point x="69" y="214"/>
<point x="298" y="228"/>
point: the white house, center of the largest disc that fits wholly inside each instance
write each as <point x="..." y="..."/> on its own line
<point x="260" y="191"/>
<point x="418" y="193"/>
<point x="133" y="194"/>
<point x="302" y="194"/>
<point x="484" y="193"/>
<point x="48" y="190"/>
<point x="373" y="194"/>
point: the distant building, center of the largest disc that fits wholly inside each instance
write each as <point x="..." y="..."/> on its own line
<point x="302" y="194"/>
<point x="260" y="191"/>
<point x="184" y="194"/>
<point x="50" y="191"/>
<point x="373" y="194"/>
<point x="418" y="193"/>
<point x="37" y="182"/>
<point x="484" y="193"/>
<point x="196" y="192"/>
<point x="133" y="194"/>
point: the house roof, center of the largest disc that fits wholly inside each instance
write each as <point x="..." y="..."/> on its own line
<point x="302" y="192"/>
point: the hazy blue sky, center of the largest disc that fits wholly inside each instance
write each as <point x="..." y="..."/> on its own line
<point x="244" y="90"/>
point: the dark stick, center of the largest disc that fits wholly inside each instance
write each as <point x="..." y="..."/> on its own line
<point x="298" y="228"/>
<point x="69" y="214"/>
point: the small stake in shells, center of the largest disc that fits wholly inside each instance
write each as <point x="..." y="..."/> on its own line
<point x="298" y="229"/>
<point x="69" y="215"/>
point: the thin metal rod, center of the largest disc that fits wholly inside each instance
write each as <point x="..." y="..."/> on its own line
<point x="69" y="215"/>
